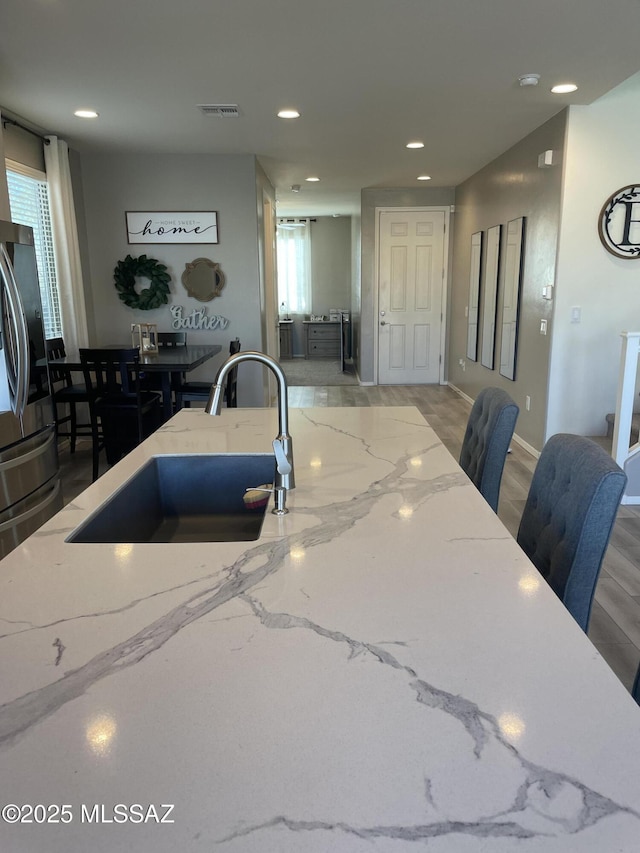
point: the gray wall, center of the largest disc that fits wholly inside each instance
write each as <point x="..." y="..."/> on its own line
<point x="509" y="187"/>
<point x="356" y="274"/>
<point x="115" y="183"/>
<point x="331" y="270"/>
<point x="366" y="325"/>
<point x="330" y="263"/>
<point x="603" y="141"/>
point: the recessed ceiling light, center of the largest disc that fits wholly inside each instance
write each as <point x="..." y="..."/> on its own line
<point x="312" y="179"/>
<point x="86" y="113"/>
<point x="564" y="88"/>
<point x="415" y="144"/>
<point x="288" y="114"/>
<point x="424" y="177"/>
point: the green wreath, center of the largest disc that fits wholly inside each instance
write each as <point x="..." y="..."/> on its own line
<point x="150" y="297"/>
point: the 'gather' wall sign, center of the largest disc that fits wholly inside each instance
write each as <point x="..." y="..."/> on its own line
<point x="619" y="223"/>
<point x="196" y="320"/>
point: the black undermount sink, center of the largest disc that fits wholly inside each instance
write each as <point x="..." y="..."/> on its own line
<point x="184" y="498"/>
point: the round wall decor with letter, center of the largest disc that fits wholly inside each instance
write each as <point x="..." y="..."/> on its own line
<point x="619" y="223"/>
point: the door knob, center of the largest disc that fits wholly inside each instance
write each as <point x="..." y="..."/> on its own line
<point x="383" y="322"/>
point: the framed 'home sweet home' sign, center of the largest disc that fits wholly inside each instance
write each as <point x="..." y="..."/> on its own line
<point x="198" y="226"/>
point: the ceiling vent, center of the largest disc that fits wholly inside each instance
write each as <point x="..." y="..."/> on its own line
<point x="220" y="110"/>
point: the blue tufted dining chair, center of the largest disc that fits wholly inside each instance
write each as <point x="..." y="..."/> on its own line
<point x="635" y="690"/>
<point x="490" y="427"/>
<point x="568" y="518"/>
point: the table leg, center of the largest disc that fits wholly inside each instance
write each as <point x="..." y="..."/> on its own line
<point x="167" y="396"/>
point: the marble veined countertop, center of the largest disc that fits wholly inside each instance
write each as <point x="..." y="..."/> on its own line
<point x="383" y="670"/>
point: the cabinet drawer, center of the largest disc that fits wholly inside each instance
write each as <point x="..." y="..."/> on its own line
<point x="324" y="333"/>
<point x="324" y="349"/>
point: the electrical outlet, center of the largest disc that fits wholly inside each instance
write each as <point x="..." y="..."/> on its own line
<point x="527" y="403"/>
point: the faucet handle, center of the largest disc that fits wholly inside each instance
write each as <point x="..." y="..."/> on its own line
<point x="282" y="463"/>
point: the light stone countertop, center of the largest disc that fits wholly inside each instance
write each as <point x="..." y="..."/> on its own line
<point x="383" y="670"/>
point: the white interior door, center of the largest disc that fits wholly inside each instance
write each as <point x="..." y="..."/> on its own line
<point x="410" y="292"/>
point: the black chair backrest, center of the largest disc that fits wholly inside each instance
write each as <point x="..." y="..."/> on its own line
<point x="55" y="349"/>
<point x="486" y="441"/>
<point x="110" y="372"/>
<point x="231" y="391"/>
<point x="172" y="339"/>
<point x="568" y="517"/>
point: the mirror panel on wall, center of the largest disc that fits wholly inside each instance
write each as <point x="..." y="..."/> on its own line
<point x="474" y="295"/>
<point x="490" y="291"/>
<point x="511" y="296"/>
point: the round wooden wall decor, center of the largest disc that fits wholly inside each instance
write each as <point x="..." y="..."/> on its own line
<point x="619" y="223"/>
<point x="203" y="279"/>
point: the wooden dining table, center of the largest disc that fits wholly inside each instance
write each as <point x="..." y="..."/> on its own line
<point x="169" y="363"/>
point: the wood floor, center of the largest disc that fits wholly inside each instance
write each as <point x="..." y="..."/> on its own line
<point x="615" y="620"/>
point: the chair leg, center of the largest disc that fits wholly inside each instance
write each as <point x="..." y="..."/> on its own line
<point x="73" y="427"/>
<point x="95" y="442"/>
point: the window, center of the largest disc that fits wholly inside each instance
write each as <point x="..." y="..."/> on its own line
<point x="29" y="201"/>
<point x="293" y="239"/>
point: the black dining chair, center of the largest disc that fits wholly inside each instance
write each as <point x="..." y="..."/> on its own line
<point x="568" y="517"/>
<point x="66" y="396"/>
<point x="152" y="381"/>
<point x="167" y="340"/>
<point x="486" y="441"/>
<point x="122" y="413"/>
<point x="189" y="392"/>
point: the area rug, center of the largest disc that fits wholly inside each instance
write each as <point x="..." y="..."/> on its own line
<point x="319" y="371"/>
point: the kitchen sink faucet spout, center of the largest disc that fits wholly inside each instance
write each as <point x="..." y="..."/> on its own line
<point x="282" y="443"/>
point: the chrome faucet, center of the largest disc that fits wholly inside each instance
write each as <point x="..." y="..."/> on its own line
<point x="282" y="443"/>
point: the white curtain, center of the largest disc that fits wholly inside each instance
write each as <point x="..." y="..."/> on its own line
<point x="66" y="246"/>
<point x="294" y="267"/>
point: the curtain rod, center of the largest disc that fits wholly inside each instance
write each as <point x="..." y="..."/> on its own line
<point x="6" y="121"/>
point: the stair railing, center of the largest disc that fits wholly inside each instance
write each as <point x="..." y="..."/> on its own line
<point x="628" y="458"/>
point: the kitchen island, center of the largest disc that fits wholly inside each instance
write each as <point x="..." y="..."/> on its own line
<point x="382" y="670"/>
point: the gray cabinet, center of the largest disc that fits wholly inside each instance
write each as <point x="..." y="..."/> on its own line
<point x="286" y="340"/>
<point x="321" y="339"/>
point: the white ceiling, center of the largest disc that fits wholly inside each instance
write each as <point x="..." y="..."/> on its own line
<point x="367" y="75"/>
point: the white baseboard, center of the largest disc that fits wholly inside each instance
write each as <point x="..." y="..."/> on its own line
<point x="460" y="393"/>
<point x="518" y="440"/>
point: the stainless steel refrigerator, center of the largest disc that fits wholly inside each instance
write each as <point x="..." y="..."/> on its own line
<point x="30" y="490"/>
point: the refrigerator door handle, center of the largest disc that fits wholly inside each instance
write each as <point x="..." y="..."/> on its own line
<point x="34" y="453"/>
<point x="34" y="510"/>
<point x="16" y="339"/>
